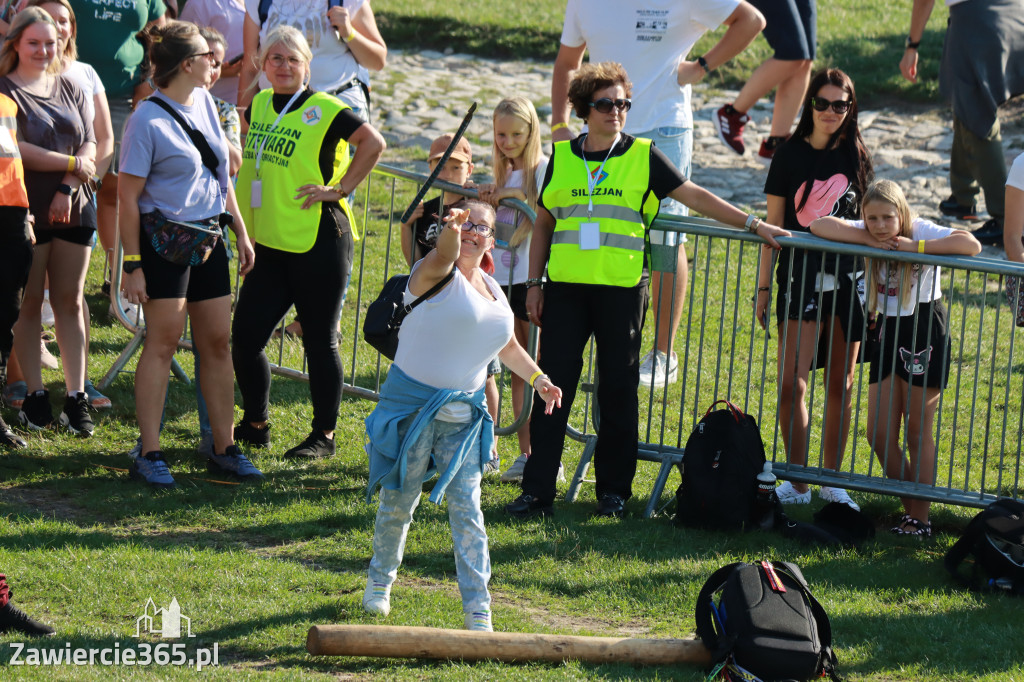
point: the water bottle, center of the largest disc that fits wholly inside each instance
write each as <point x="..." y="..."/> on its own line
<point x="765" y="499"/>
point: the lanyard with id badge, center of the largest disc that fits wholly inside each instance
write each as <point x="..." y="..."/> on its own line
<point x="256" y="196"/>
<point x="590" y="231"/>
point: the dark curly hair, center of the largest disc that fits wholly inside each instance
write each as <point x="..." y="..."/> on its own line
<point x="590" y="78"/>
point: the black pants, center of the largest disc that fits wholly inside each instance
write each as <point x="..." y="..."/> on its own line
<point x="615" y="316"/>
<point x="313" y="282"/>
<point x="15" y="262"/>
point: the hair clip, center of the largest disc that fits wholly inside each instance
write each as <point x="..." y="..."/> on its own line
<point x="156" y="39"/>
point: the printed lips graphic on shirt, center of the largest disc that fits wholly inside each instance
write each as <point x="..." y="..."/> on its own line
<point x="834" y="196"/>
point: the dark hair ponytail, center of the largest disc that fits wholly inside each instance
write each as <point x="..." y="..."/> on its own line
<point x="167" y="47"/>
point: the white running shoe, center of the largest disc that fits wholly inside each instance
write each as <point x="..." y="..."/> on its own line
<point x="837" y="495"/>
<point x="789" y="495"/>
<point x="658" y="368"/>
<point x="377" y="598"/>
<point x="479" y="621"/>
<point x="515" y="472"/>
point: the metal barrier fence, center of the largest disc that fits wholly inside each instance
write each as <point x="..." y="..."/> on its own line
<point x="724" y="354"/>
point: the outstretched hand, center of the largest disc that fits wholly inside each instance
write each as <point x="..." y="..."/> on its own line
<point x="551" y="394"/>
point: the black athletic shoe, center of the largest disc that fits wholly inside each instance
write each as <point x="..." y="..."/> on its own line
<point x="991" y="233"/>
<point x="316" y="446"/>
<point x="76" y="415"/>
<point x="250" y="435"/>
<point x="35" y="411"/>
<point x="612" y="505"/>
<point x="526" y="506"/>
<point x="13" y="619"/>
<point x="8" y="438"/>
<point x="953" y="209"/>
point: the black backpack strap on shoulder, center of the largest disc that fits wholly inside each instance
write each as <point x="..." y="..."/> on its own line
<point x="198" y="139"/>
<point x="709" y="628"/>
<point x="820" y="618"/>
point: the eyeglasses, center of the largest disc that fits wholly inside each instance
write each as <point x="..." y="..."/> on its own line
<point x="482" y="230"/>
<point x="209" y="56"/>
<point x="840" y="106"/>
<point x="604" y="105"/>
<point x="277" y="60"/>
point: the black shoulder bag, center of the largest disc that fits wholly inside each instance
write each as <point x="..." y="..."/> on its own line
<point x="385" y="315"/>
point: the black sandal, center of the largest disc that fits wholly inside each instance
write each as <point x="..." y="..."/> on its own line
<point x="921" y="529"/>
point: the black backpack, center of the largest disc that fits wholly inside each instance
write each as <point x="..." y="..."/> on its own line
<point x="766" y="624"/>
<point x="995" y="537"/>
<point x="722" y="459"/>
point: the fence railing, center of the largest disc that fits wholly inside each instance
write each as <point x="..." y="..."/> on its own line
<point x="723" y="353"/>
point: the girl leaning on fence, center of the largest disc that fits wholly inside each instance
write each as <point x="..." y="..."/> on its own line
<point x="910" y="361"/>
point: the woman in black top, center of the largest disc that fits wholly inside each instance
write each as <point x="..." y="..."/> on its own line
<point x="822" y="171"/>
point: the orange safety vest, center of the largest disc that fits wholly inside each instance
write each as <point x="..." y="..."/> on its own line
<point x="12" y="174"/>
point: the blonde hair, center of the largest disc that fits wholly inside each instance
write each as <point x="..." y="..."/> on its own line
<point x="522" y="109"/>
<point x="22" y="20"/>
<point x="292" y="40"/>
<point x="888" y="192"/>
<point x="71" y="49"/>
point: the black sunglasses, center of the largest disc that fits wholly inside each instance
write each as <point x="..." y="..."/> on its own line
<point x="604" y="105"/>
<point x="209" y="56"/>
<point x="840" y="106"/>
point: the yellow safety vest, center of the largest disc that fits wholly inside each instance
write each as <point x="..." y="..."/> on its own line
<point x="12" y="174"/>
<point x="291" y="159"/>
<point x="624" y="207"/>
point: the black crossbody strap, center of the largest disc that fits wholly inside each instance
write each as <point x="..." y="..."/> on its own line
<point x="405" y="310"/>
<point x="198" y="139"/>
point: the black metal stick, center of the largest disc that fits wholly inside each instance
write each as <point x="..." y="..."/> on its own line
<point x="440" y="164"/>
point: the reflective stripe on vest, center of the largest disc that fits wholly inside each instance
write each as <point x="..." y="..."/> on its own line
<point x="624" y="207"/>
<point x="291" y="159"/>
<point x="12" y="173"/>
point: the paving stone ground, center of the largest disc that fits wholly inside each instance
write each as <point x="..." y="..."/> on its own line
<point x="425" y="93"/>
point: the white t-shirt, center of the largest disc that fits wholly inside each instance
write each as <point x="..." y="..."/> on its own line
<point x="1015" y="178"/>
<point x="649" y="38"/>
<point x="448" y="340"/>
<point x="504" y="258"/>
<point x="924" y="279"/>
<point x="333" y="63"/>
<point x="86" y="78"/>
<point x="228" y="17"/>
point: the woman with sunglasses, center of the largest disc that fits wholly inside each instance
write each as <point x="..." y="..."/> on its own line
<point x="296" y="174"/>
<point x="164" y="179"/>
<point x="823" y="170"/>
<point x="432" y="415"/>
<point x="600" y="195"/>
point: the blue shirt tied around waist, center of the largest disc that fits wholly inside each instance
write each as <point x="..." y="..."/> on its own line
<point x="401" y="397"/>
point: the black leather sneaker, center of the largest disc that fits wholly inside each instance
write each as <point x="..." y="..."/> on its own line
<point x="13" y="619"/>
<point x="526" y="506"/>
<point x="953" y="209"/>
<point x="8" y="438"/>
<point x="991" y="233"/>
<point x="611" y="504"/>
<point x="250" y="435"/>
<point x="35" y="411"/>
<point x="316" y="446"/>
<point x="75" y="415"/>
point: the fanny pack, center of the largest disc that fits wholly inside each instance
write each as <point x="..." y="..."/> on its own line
<point x="180" y="242"/>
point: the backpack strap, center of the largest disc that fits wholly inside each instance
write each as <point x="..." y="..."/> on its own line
<point x="820" y="618"/>
<point x="709" y="628"/>
<point x="737" y="413"/>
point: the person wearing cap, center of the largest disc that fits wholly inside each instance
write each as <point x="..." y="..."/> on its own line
<point x="292" y="188"/>
<point x="420" y="233"/>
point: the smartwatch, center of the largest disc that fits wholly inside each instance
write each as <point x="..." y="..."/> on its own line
<point x="911" y="45"/>
<point x="130" y="266"/>
<point x="64" y="188"/>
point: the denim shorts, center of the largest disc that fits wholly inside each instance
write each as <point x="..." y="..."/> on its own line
<point x="677" y="145"/>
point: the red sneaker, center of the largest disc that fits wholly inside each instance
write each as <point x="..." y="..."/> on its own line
<point x="729" y="124"/>
<point x="768" y="147"/>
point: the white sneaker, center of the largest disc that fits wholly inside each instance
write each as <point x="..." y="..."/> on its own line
<point x="656" y="367"/>
<point x="493" y="467"/>
<point x="837" y="495"/>
<point x="515" y="472"/>
<point x="132" y="311"/>
<point x="479" y="621"/>
<point x="46" y="312"/>
<point x="561" y="473"/>
<point x="789" y="495"/>
<point x="377" y="598"/>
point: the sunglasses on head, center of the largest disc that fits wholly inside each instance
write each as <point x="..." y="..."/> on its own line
<point x="604" y="105"/>
<point x="839" y="106"/>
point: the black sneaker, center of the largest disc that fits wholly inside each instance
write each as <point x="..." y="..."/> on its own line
<point x="8" y="438"/>
<point x="953" y="209"/>
<point x="611" y="505"/>
<point x="991" y="233"/>
<point x="35" y="411"/>
<point x="316" y="446"/>
<point x="13" y="619"/>
<point x="526" y="505"/>
<point x="76" y="415"/>
<point x="250" y="435"/>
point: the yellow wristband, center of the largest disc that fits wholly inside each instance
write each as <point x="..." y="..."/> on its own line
<point x="350" y="36"/>
<point x="559" y="126"/>
<point x="920" y="246"/>
<point x="71" y="164"/>
<point x="536" y="375"/>
<point x="130" y="258"/>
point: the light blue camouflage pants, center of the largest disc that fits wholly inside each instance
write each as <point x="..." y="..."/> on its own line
<point x="394" y="516"/>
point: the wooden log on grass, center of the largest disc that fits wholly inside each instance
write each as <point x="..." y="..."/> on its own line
<point x="413" y="642"/>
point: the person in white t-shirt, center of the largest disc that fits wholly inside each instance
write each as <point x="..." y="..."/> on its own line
<point x="1013" y="227"/>
<point x="228" y="18"/>
<point x="652" y="39"/>
<point x="910" y="361"/>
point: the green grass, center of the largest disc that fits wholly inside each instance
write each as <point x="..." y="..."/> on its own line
<point x="255" y="567"/>
<point x="862" y="37"/>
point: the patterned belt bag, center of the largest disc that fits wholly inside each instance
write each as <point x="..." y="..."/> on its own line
<point x="1015" y="295"/>
<point x="180" y="242"/>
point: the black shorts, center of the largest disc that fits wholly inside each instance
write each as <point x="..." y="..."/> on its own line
<point x="845" y="303"/>
<point x="75" y="235"/>
<point x="921" y="356"/>
<point x="203" y="282"/>
<point x="517" y="300"/>
<point x="791" y="27"/>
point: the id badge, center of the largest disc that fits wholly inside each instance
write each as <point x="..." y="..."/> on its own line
<point x="256" y="196"/>
<point x="590" y="236"/>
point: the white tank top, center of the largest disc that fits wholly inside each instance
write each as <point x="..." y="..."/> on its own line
<point x="448" y="340"/>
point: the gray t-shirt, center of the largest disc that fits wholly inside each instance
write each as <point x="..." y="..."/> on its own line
<point x="156" y="147"/>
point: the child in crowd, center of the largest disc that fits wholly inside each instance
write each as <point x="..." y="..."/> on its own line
<point x="519" y="167"/>
<point x="910" y="362"/>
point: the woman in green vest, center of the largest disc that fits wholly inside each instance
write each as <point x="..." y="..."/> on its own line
<point x="295" y="176"/>
<point x="599" y="198"/>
